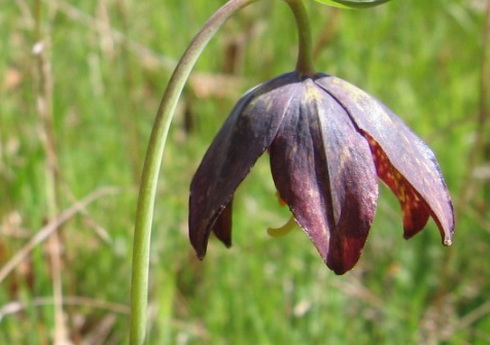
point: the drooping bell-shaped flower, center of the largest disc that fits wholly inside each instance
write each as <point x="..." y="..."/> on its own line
<point x="328" y="141"/>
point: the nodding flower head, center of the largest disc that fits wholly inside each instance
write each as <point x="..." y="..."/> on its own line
<point x="328" y="142"/>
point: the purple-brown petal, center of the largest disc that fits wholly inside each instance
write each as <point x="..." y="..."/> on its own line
<point x="412" y="163"/>
<point x="222" y="225"/>
<point x="245" y="135"/>
<point x="415" y="210"/>
<point x="323" y="169"/>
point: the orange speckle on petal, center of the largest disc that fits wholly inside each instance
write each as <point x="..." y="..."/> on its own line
<point x="415" y="210"/>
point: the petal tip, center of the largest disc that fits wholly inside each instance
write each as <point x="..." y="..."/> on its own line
<point x="447" y="242"/>
<point x="407" y="234"/>
<point x="199" y="248"/>
<point x="340" y="271"/>
<point x="200" y="256"/>
<point x="340" y="267"/>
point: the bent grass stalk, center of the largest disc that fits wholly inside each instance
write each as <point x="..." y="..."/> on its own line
<point x="152" y="165"/>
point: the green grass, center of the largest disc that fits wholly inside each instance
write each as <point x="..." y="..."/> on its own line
<point x="110" y="64"/>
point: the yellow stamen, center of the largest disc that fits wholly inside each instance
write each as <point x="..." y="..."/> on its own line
<point x="283" y="230"/>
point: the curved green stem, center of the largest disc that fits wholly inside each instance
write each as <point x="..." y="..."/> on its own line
<point x="304" y="64"/>
<point x="151" y="169"/>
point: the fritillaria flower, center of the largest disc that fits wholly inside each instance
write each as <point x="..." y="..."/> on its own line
<point x="328" y="142"/>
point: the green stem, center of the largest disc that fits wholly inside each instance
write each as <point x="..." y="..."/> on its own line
<point x="153" y="161"/>
<point x="304" y="64"/>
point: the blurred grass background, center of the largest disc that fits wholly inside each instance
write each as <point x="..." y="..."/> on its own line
<point x="75" y="114"/>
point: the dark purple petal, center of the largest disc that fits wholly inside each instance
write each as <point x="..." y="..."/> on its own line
<point x="416" y="177"/>
<point x="222" y="226"/>
<point x="323" y="169"/>
<point x="245" y="135"/>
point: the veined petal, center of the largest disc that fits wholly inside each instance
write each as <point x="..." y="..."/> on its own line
<point x="245" y="135"/>
<point x="416" y="178"/>
<point x="323" y="169"/>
